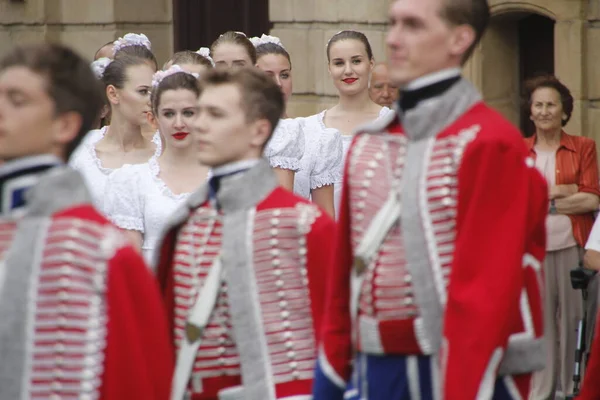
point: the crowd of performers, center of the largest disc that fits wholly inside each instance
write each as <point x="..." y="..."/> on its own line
<point x="170" y="233"/>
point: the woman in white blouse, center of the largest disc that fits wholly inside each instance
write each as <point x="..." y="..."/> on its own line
<point x="350" y="61"/>
<point x="286" y="147"/>
<point x="127" y="80"/>
<point x="321" y="164"/>
<point x="141" y="198"/>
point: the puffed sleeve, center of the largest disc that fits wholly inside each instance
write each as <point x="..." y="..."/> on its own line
<point x="286" y="146"/>
<point x="328" y="160"/>
<point x="124" y="203"/>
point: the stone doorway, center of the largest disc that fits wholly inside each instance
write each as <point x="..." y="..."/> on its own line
<point x="516" y="47"/>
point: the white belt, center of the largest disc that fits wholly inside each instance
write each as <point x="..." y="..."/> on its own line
<point x="196" y="322"/>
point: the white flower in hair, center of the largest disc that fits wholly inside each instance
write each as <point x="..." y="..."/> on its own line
<point x="160" y="75"/>
<point x="100" y="65"/>
<point x="264" y="39"/>
<point x="238" y="32"/>
<point x="132" y="39"/>
<point x="205" y="52"/>
<point x="335" y="36"/>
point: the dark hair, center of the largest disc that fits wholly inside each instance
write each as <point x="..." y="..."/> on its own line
<point x="475" y="13"/>
<point x="347" y="35"/>
<point x="70" y="80"/>
<point x="139" y="51"/>
<point x="179" y="80"/>
<point x="552" y="82"/>
<point x="190" y="57"/>
<point x="115" y="73"/>
<point x="272" y="48"/>
<point x="260" y="96"/>
<point x="235" y="38"/>
<point x="107" y="44"/>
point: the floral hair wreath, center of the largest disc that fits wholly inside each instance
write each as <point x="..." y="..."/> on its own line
<point x="99" y="66"/>
<point x="174" y="69"/>
<point x="264" y="39"/>
<point x="205" y="52"/>
<point x="131" y="39"/>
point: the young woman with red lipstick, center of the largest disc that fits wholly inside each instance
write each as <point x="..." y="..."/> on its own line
<point x="286" y="147"/>
<point x="350" y="61"/>
<point x="141" y="198"/>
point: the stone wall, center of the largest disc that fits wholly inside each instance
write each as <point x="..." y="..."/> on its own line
<point x="494" y="67"/>
<point x="305" y="26"/>
<point x="86" y="25"/>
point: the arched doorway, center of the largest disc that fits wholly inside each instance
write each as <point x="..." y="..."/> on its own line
<point x="516" y="47"/>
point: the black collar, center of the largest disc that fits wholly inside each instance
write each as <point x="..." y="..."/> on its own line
<point x="410" y="98"/>
<point x="17" y="177"/>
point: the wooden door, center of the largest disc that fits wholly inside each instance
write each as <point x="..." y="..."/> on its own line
<point x="536" y="53"/>
<point x="197" y="23"/>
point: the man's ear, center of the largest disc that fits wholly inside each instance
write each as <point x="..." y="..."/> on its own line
<point x="65" y="128"/>
<point x="461" y="39"/>
<point x="261" y="132"/>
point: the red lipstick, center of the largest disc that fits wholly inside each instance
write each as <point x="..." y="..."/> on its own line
<point x="180" y="135"/>
<point x="350" y="81"/>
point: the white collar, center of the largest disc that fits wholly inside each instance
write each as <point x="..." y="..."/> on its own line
<point x="233" y="167"/>
<point x="430" y="79"/>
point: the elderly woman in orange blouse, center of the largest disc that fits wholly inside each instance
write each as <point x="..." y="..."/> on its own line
<point x="570" y="166"/>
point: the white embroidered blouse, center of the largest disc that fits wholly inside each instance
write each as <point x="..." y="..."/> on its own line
<point x="85" y="160"/>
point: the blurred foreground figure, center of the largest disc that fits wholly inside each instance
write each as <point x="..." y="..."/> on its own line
<point x="435" y="289"/>
<point x="80" y="315"/>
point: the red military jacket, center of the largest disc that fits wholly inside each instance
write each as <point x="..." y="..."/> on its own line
<point x="458" y="275"/>
<point x="260" y="341"/>
<point x="81" y="315"/>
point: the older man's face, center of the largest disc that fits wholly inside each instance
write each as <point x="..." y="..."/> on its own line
<point x="381" y="90"/>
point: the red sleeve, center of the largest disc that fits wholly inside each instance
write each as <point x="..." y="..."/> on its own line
<point x="337" y="325"/>
<point x="487" y="272"/>
<point x="588" y="177"/>
<point x="591" y="389"/>
<point x="139" y="361"/>
<point x="318" y="257"/>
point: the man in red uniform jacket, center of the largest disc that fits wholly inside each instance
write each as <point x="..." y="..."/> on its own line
<point x="435" y="287"/>
<point x="243" y="263"/>
<point x="80" y="314"/>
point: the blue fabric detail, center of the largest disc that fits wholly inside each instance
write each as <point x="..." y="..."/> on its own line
<point x="386" y="378"/>
<point x="17" y="198"/>
<point x="323" y="388"/>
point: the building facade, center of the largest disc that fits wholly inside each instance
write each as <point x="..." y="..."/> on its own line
<point x="525" y="37"/>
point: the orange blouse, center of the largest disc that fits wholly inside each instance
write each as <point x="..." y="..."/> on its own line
<point x="576" y="162"/>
